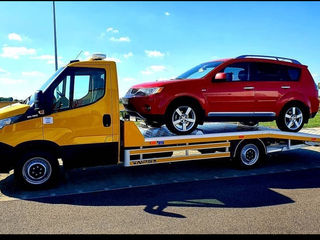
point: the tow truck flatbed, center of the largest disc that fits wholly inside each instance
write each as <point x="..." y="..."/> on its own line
<point x="212" y="140"/>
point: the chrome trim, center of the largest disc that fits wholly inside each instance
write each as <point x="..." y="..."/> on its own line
<point x="241" y="114"/>
<point x="248" y="88"/>
<point x="285" y="87"/>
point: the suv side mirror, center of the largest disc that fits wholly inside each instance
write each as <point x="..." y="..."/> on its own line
<point x="38" y="103"/>
<point x="221" y="76"/>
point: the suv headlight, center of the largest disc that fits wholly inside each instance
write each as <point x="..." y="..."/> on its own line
<point x="8" y="121"/>
<point x="148" y="91"/>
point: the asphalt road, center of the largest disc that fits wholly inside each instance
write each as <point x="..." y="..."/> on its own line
<point x="280" y="197"/>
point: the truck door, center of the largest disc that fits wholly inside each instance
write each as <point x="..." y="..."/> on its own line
<point x="80" y="117"/>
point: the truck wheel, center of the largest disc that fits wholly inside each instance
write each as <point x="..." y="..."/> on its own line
<point x="37" y="170"/>
<point x="182" y="118"/>
<point x="291" y="118"/>
<point x="249" y="154"/>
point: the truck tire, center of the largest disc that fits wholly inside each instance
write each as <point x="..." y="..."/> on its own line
<point x="182" y="118"/>
<point x="37" y="170"/>
<point x="249" y="154"/>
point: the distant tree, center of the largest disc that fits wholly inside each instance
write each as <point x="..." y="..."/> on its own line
<point x="3" y="99"/>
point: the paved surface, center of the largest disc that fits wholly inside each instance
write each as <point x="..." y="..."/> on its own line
<point x="281" y="196"/>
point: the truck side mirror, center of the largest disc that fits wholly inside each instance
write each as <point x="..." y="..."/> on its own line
<point x="38" y="103"/>
<point x="220" y="77"/>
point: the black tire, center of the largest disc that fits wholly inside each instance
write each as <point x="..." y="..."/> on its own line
<point x="298" y="117"/>
<point x="189" y="111"/>
<point x="36" y="170"/>
<point x="250" y="123"/>
<point x="249" y="154"/>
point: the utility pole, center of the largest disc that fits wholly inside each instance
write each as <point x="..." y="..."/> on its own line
<point x="55" y="37"/>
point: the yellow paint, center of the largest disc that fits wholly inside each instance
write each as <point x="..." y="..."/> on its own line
<point x="179" y="148"/>
<point x="13" y="110"/>
<point x="25" y="131"/>
<point x="182" y="158"/>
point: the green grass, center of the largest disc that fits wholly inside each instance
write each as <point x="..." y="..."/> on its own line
<point x="313" y="122"/>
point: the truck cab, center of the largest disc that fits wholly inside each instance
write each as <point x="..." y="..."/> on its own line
<point x="73" y="116"/>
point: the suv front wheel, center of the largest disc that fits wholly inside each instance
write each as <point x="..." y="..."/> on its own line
<point x="291" y="118"/>
<point x="182" y="118"/>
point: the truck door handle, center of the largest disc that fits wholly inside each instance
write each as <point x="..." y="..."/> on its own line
<point x="248" y="88"/>
<point x="106" y="120"/>
<point x="285" y="87"/>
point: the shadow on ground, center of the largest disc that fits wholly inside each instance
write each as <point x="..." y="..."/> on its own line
<point x="251" y="189"/>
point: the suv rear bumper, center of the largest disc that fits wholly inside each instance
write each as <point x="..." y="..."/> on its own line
<point x="312" y="115"/>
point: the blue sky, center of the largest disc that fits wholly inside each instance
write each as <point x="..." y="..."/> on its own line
<point x="150" y="40"/>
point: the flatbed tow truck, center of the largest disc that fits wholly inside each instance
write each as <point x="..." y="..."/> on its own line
<point x="75" y="118"/>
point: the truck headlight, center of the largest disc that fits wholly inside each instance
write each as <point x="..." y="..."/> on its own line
<point x="8" y="121"/>
<point x="148" y="91"/>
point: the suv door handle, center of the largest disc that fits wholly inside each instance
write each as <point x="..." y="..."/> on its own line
<point x="248" y="88"/>
<point x="106" y="120"/>
<point x="285" y="87"/>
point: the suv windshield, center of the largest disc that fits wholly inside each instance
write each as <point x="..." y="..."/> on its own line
<point x="199" y="71"/>
<point x="30" y="99"/>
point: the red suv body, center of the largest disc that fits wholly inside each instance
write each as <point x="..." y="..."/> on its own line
<point x="249" y="89"/>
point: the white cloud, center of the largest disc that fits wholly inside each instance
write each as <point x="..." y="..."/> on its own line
<point x="14" y="36"/>
<point x="113" y="59"/>
<point x="53" y="62"/>
<point x="2" y="70"/>
<point x="314" y="75"/>
<point x="121" y="39"/>
<point x="16" y="52"/>
<point x="167" y="13"/>
<point x="87" y="54"/>
<point x="33" y="74"/>
<point x="6" y="80"/>
<point x="110" y="29"/>
<point x="129" y="54"/>
<point x="49" y="58"/>
<point x="154" y="53"/>
<point x="153" y="69"/>
<point x="128" y="79"/>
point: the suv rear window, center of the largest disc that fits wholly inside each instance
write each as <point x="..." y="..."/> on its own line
<point x="274" y="72"/>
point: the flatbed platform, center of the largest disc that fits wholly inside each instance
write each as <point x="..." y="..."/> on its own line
<point x="144" y="145"/>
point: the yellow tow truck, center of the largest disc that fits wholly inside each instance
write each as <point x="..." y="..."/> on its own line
<point x="74" y="117"/>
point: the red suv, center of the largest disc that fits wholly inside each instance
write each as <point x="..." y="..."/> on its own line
<point x="249" y="89"/>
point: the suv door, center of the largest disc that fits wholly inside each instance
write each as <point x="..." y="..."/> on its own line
<point x="272" y="82"/>
<point x="80" y="116"/>
<point x="232" y="97"/>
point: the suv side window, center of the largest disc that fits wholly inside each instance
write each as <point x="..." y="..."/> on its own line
<point x="237" y="71"/>
<point x="274" y="72"/>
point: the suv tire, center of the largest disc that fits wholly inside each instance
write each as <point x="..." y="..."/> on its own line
<point x="291" y="118"/>
<point x="182" y="118"/>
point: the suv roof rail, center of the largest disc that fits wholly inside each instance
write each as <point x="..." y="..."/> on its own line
<point x="277" y="58"/>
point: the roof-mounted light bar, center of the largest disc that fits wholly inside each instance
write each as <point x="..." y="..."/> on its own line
<point x="98" y="56"/>
<point x="272" y="57"/>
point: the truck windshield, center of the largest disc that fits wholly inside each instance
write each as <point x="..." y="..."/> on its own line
<point x="30" y="99"/>
<point x="199" y="71"/>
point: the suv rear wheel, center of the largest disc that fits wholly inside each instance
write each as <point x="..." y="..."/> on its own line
<point x="291" y="118"/>
<point x="182" y="118"/>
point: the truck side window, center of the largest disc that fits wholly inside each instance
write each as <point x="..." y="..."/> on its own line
<point x="89" y="86"/>
<point x="61" y="93"/>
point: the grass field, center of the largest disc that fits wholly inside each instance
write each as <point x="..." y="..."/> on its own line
<point x="313" y="122"/>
